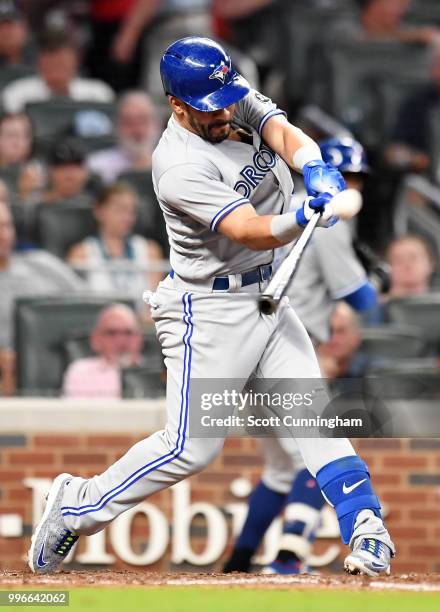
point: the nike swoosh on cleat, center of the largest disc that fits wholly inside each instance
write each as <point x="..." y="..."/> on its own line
<point x="40" y="561"/>
<point x="378" y="565"/>
<point x="352" y="487"/>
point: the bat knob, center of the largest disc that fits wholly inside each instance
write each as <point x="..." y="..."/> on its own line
<point x="267" y="304"/>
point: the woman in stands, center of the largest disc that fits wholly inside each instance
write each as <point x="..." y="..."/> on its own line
<point x="116" y="260"/>
<point x="26" y="173"/>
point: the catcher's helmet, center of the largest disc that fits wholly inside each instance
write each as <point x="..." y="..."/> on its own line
<point x="346" y="154"/>
<point x="198" y="71"/>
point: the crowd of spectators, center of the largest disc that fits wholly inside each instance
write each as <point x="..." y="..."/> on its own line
<point x="103" y="57"/>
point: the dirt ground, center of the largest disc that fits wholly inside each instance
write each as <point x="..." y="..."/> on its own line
<point x="398" y="582"/>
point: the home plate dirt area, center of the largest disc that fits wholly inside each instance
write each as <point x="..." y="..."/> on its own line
<point x="396" y="582"/>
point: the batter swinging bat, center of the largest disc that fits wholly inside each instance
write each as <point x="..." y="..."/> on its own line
<point x="346" y="205"/>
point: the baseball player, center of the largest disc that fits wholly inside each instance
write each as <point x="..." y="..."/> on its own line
<point x="329" y="271"/>
<point x="221" y="173"/>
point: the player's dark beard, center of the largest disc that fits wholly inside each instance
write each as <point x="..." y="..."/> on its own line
<point x="205" y="130"/>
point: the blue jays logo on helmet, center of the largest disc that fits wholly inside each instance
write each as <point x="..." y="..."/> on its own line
<point x="199" y="71"/>
<point x="345" y="154"/>
<point x="220" y="72"/>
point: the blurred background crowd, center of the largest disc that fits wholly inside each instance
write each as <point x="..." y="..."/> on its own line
<point x="81" y="234"/>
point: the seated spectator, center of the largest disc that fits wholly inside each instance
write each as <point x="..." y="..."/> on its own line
<point x="117" y="342"/>
<point x="411" y="266"/>
<point x="411" y="139"/>
<point x="137" y="131"/>
<point x="4" y="193"/>
<point x="383" y="20"/>
<point x="337" y="356"/>
<point x="106" y="20"/>
<point x="57" y="63"/>
<point x="166" y="21"/>
<point x="29" y="274"/>
<point x="68" y="175"/>
<point x="16" y="149"/>
<point x="14" y="45"/>
<point x="118" y="258"/>
<point x="15" y="140"/>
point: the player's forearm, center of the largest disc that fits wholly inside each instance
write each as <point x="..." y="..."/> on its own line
<point x="291" y="143"/>
<point x="260" y="233"/>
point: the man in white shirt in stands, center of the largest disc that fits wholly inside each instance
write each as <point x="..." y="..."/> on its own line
<point x="137" y="129"/>
<point x="57" y="64"/>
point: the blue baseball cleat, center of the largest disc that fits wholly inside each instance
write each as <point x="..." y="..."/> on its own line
<point x="52" y="541"/>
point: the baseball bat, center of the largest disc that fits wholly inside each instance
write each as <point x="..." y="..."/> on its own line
<point x="346" y="205"/>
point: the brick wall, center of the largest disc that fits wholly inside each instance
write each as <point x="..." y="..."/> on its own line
<point x="406" y="474"/>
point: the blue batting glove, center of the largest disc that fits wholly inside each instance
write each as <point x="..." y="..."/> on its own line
<point x="320" y="177"/>
<point x="321" y="204"/>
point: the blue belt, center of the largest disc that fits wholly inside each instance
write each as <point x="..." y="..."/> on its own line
<point x="221" y="283"/>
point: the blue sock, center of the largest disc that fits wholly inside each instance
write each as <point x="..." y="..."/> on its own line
<point x="306" y="492"/>
<point x="346" y="485"/>
<point x="264" y="505"/>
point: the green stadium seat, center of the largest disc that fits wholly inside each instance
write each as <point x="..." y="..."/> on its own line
<point x="304" y="27"/>
<point x="349" y="73"/>
<point x="8" y="74"/>
<point x="42" y="327"/>
<point x="54" y="118"/>
<point x="78" y="347"/>
<point x="421" y="311"/>
<point x="392" y="341"/>
<point x="10" y="177"/>
<point x="59" y="226"/>
<point x="405" y="380"/>
<point x="139" y="383"/>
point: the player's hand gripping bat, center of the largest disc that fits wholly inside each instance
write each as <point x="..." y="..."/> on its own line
<point x="346" y="204"/>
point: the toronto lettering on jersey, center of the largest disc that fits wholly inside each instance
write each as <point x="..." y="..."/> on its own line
<point x="264" y="160"/>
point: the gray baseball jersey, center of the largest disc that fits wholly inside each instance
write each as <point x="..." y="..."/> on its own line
<point x="198" y="184"/>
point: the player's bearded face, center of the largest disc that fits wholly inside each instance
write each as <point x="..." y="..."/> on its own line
<point x="214" y="127"/>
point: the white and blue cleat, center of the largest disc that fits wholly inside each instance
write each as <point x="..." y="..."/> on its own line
<point x="371" y="547"/>
<point x="370" y="557"/>
<point x="52" y="541"/>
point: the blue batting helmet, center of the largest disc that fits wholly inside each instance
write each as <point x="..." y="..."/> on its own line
<point x="346" y="154"/>
<point x="198" y="71"/>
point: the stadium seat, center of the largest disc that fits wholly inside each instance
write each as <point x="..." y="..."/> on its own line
<point x="423" y="12"/>
<point x="150" y="222"/>
<point x="417" y="211"/>
<point x="349" y="76"/>
<point x="422" y="311"/>
<point x="78" y="347"/>
<point x="434" y="144"/>
<point x="392" y="341"/>
<point x="54" y="118"/>
<point x="59" y="226"/>
<point x="405" y="379"/>
<point x="138" y="383"/>
<point x="11" y="73"/>
<point x="10" y="177"/>
<point x="42" y="326"/>
<point x="305" y="25"/>
<point x="391" y="92"/>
